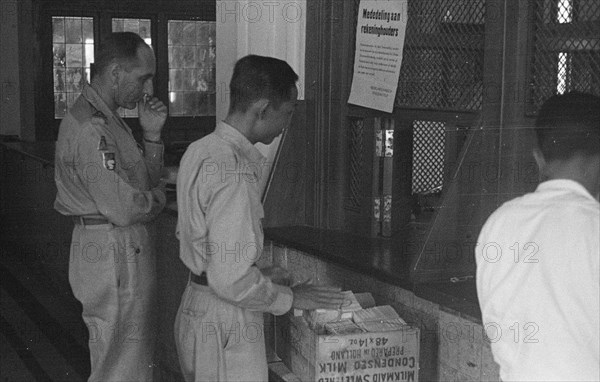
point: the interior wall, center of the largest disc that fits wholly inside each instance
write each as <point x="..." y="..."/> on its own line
<point x="10" y="112"/>
<point x="274" y="29"/>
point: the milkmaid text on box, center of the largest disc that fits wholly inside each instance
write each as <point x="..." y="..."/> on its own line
<point x="362" y="357"/>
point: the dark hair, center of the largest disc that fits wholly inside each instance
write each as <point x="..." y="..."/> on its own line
<point x="120" y="46"/>
<point x="255" y="77"/>
<point x="568" y="124"/>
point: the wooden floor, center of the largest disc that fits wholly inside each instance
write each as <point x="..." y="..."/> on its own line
<point x="42" y="334"/>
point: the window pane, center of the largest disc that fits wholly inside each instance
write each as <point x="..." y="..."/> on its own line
<point x="202" y="32"/>
<point x="175" y="56"/>
<point x="73" y="31"/>
<point x="74" y="55"/>
<point x="189" y="32"/>
<point x="175" y="30"/>
<point x="142" y="27"/>
<point x="117" y="25"/>
<point x="58" y="51"/>
<point x="73" y="52"/>
<point x="192" y="54"/>
<point x="175" y="103"/>
<point x="188" y="57"/>
<point x="59" y="81"/>
<point x="74" y="80"/>
<point x="144" y="31"/>
<point x="189" y="79"/>
<point x="58" y="29"/>
<point x="175" y="80"/>
<point x="60" y="105"/>
<point x="87" y="26"/>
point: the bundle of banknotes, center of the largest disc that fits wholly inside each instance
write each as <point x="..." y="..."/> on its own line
<point x="358" y="314"/>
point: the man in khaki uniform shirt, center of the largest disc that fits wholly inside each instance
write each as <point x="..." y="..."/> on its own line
<point x="109" y="184"/>
<point x="219" y="326"/>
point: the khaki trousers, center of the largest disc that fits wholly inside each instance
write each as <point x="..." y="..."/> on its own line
<point x="218" y="341"/>
<point x="112" y="273"/>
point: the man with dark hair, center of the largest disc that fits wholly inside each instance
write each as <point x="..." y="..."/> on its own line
<point x="567" y="125"/>
<point x="110" y="185"/>
<point x="119" y="46"/>
<point x="257" y="76"/>
<point x="219" y="326"/>
<point x="538" y="277"/>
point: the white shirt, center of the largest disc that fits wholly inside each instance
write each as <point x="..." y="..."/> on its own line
<point x="219" y="222"/>
<point x="538" y="284"/>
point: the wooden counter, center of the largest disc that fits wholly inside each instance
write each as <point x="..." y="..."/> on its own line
<point x="453" y="345"/>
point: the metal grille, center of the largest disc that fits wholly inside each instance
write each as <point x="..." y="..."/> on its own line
<point x="356" y="151"/>
<point x="566" y="49"/>
<point x="442" y="64"/>
<point x="429" y="140"/>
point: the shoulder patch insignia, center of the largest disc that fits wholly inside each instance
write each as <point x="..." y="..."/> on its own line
<point x="102" y="143"/>
<point x="109" y="161"/>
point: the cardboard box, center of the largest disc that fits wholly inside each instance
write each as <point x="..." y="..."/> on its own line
<point x="361" y="357"/>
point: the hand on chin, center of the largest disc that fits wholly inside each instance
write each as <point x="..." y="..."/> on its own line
<point x="130" y="105"/>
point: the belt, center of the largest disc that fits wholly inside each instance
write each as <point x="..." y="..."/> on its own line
<point x="90" y="220"/>
<point x="200" y="280"/>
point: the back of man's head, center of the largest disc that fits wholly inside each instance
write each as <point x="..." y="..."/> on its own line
<point x="258" y="77"/>
<point x="121" y="47"/>
<point x="567" y="125"/>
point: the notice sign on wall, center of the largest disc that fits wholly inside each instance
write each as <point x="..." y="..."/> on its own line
<point x="380" y="32"/>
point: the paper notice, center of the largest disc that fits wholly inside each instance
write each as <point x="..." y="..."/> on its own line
<point x="380" y="35"/>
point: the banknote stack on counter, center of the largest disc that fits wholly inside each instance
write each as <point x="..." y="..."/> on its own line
<point x="358" y="314"/>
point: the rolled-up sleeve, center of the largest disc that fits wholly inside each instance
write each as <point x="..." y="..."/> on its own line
<point x="235" y="243"/>
<point x="153" y="157"/>
<point x="112" y="191"/>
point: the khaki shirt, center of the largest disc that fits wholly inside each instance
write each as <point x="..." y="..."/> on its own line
<point x="101" y="170"/>
<point x="219" y="219"/>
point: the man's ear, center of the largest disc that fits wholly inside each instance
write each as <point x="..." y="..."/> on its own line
<point x="115" y="73"/>
<point x="261" y="107"/>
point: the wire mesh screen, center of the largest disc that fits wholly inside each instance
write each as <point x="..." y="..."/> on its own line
<point x="566" y="49"/>
<point x="442" y="64"/>
<point x="429" y="140"/>
<point x="356" y="151"/>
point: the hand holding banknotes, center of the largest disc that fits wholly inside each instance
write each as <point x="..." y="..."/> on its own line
<point x="308" y="296"/>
